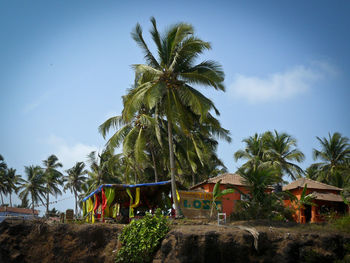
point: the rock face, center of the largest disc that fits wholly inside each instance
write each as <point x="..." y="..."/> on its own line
<point x="24" y="241"/>
<point x="230" y="244"/>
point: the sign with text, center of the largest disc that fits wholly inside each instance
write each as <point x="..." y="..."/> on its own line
<point x="197" y="204"/>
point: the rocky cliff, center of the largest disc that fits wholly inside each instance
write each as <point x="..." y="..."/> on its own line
<point x="24" y="241"/>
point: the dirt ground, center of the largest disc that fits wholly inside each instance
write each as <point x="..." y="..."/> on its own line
<point x="187" y="241"/>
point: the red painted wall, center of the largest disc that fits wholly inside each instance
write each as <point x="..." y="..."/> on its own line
<point x="228" y="201"/>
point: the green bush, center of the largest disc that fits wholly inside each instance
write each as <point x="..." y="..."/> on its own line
<point x="141" y="238"/>
<point x="342" y="223"/>
<point x="271" y="208"/>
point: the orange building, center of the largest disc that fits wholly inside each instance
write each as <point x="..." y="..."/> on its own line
<point x="227" y="180"/>
<point x="327" y="198"/>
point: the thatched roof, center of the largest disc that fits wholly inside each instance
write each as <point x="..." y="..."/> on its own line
<point x="227" y="178"/>
<point x="328" y="197"/>
<point x="311" y="184"/>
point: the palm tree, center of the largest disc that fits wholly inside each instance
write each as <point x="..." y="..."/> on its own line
<point x="74" y="181"/>
<point x="3" y="181"/>
<point x="140" y="139"/>
<point x="13" y="180"/>
<point x="101" y="169"/>
<point x="34" y="185"/>
<point x="3" y="165"/>
<point x="164" y="85"/>
<point x="257" y="181"/>
<point x="259" y="202"/>
<point x="253" y="152"/>
<point x="281" y="153"/>
<point x="334" y="155"/>
<point x="53" y="178"/>
<point x="272" y="150"/>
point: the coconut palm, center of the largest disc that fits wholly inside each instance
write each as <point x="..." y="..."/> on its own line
<point x="334" y="155"/>
<point x="196" y="155"/>
<point x="272" y="150"/>
<point x="281" y="153"/>
<point x="102" y="169"/>
<point x="257" y="181"/>
<point x="3" y="165"/>
<point x="140" y="138"/>
<point x="33" y="186"/>
<point x="253" y="152"/>
<point x="164" y="84"/>
<point x="53" y="178"/>
<point x="13" y="180"/>
<point x="74" y="181"/>
<point x="3" y="184"/>
<point x="259" y="203"/>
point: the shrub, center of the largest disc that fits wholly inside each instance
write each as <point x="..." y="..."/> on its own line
<point x="141" y="238"/>
<point x="342" y="223"/>
<point x="271" y="208"/>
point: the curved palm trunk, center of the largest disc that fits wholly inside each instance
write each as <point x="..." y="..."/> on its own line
<point x="172" y="168"/>
<point x="10" y="200"/>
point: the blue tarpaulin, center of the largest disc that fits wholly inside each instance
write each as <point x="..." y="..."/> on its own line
<point x="99" y="189"/>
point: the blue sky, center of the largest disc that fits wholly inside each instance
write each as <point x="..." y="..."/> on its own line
<point x="64" y="66"/>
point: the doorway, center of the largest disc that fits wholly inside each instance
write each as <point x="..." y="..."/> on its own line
<point x="307" y="213"/>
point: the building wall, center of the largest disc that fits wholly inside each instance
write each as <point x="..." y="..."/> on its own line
<point x="315" y="210"/>
<point x="228" y="201"/>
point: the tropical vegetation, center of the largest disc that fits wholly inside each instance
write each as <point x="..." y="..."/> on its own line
<point x="140" y="238"/>
<point x="74" y="181"/>
<point x="168" y="130"/>
<point x="163" y="100"/>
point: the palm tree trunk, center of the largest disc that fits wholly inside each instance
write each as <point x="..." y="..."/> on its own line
<point x="154" y="167"/>
<point x="33" y="205"/>
<point x="10" y="200"/>
<point x="76" y="203"/>
<point x="2" y="199"/>
<point x="172" y="169"/>
<point x="47" y="203"/>
<point x="193" y="179"/>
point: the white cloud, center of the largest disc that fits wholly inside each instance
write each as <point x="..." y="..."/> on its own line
<point x="36" y="103"/>
<point x="280" y="85"/>
<point x="69" y="154"/>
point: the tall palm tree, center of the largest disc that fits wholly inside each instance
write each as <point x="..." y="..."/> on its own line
<point x="334" y="155"/>
<point x="75" y="180"/>
<point x="164" y="84"/>
<point x="33" y="186"/>
<point x="53" y="178"/>
<point x="14" y="180"/>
